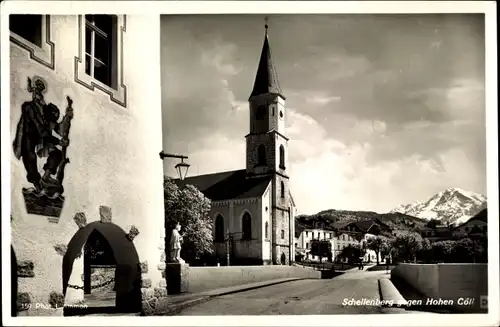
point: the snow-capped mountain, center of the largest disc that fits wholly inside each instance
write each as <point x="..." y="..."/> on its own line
<point x="453" y="205"/>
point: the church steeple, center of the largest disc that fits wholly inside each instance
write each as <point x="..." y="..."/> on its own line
<point x="267" y="144"/>
<point x="266" y="80"/>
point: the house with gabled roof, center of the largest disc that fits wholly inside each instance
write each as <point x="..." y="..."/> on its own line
<point x="475" y="226"/>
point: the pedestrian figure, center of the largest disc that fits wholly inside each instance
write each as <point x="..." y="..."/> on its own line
<point x="360" y="263"/>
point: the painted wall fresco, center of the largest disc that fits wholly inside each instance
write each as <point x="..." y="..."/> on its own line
<point x="41" y="136"/>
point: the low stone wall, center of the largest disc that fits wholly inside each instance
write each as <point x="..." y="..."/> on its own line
<point x="450" y="281"/>
<point x="100" y="275"/>
<point x="203" y="279"/>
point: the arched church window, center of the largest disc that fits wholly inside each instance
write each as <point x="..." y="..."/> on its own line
<point x="266" y="231"/>
<point x="219" y="229"/>
<point x="246" y="227"/>
<point x="282" y="157"/>
<point x="283" y="259"/>
<point x="282" y="189"/>
<point x="282" y="234"/>
<point x="261" y="155"/>
<point x="261" y="113"/>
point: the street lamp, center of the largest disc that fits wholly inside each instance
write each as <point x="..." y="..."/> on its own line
<point x="182" y="167"/>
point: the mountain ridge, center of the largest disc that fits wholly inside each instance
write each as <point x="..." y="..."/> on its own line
<point x="451" y="206"/>
<point x="396" y="221"/>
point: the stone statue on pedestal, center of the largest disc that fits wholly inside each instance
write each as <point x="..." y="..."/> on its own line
<point x="175" y="244"/>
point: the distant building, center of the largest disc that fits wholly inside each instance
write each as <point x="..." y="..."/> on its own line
<point x="439" y="233"/>
<point x="347" y="233"/>
<point x="305" y="232"/>
<point x="475" y="226"/>
<point x="254" y="205"/>
<point x="341" y="234"/>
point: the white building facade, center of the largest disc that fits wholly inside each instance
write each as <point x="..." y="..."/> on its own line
<point x="85" y="127"/>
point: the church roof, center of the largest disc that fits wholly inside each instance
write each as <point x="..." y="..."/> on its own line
<point x="266" y="80"/>
<point x="227" y="185"/>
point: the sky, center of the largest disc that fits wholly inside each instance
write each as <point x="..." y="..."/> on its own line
<point x="382" y="110"/>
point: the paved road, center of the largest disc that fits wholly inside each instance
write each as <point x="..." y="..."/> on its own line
<point x="301" y="298"/>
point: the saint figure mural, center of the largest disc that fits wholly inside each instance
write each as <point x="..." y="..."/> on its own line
<point x="41" y="140"/>
<point x="175" y="244"/>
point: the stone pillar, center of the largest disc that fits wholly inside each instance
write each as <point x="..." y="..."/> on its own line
<point x="154" y="295"/>
<point x="178" y="277"/>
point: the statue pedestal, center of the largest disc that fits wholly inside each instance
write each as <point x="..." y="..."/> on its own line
<point x="177" y="275"/>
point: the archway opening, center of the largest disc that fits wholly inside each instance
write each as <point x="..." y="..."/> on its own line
<point x="109" y="263"/>
<point x="219" y="229"/>
<point x="99" y="271"/>
<point x="283" y="259"/>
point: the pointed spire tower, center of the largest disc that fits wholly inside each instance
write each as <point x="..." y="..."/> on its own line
<point x="266" y="80"/>
<point x="267" y="156"/>
<point x="267" y="143"/>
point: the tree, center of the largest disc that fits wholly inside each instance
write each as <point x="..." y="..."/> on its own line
<point x="321" y="248"/>
<point x="407" y="244"/>
<point x="386" y="250"/>
<point x="469" y="250"/>
<point x="442" y="251"/>
<point x="376" y="244"/>
<point x="191" y="209"/>
<point x="425" y="253"/>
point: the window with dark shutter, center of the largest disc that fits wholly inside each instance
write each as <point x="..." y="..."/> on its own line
<point x="29" y="27"/>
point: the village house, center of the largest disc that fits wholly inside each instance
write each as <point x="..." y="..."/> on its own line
<point x="340" y="234"/>
<point x="475" y="226"/>
<point x="305" y="232"/>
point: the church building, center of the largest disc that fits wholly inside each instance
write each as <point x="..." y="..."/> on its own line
<point x="252" y="208"/>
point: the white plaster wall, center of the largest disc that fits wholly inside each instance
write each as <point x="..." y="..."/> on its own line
<point x="265" y="202"/>
<point x="253" y="248"/>
<point x="113" y="151"/>
<point x="447" y="281"/>
<point x="233" y="211"/>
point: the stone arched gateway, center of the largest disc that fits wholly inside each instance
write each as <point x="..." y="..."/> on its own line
<point x="128" y="269"/>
